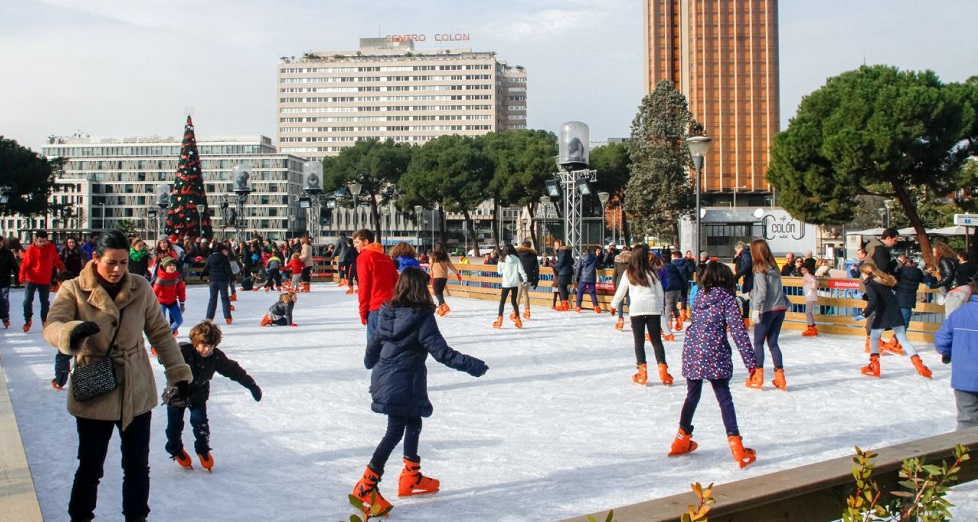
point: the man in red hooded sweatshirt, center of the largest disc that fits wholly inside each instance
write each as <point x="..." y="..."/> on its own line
<point x="36" y="268"/>
<point x="376" y="274"/>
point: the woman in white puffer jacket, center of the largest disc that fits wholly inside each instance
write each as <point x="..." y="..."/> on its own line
<point x="645" y="306"/>
<point x="511" y="270"/>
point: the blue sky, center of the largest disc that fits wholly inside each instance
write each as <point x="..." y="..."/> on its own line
<point x="131" y="67"/>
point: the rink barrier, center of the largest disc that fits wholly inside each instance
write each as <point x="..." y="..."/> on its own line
<point x="811" y="493"/>
<point x="18" y="498"/>
<point x="838" y="303"/>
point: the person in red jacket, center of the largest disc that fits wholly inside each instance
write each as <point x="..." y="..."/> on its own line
<point x="171" y="292"/>
<point x="296" y="265"/>
<point x="376" y="275"/>
<point x="36" y="266"/>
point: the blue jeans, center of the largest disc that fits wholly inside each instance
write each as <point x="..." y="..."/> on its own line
<point x="199" y="424"/>
<point x="769" y="329"/>
<point x="907" y="314"/>
<point x="219" y="287"/>
<point x="176" y="317"/>
<point x="372" y="322"/>
<point x="44" y="291"/>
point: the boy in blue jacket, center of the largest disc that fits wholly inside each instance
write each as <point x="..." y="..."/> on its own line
<point x="957" y="342"/>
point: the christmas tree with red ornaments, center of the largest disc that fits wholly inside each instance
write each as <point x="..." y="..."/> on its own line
<point x="187" y="215"/>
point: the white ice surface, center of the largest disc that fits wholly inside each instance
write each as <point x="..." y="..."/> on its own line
<point x="555" y="429"/>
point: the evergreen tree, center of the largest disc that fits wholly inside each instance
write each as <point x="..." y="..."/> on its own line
<point x="187" y="215"/>
<point x="659" y="190"/>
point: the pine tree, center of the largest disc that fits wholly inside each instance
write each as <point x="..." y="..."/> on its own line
<point x="187" y="215"/>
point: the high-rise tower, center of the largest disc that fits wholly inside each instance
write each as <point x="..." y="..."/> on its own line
<point x="723" y="55"/>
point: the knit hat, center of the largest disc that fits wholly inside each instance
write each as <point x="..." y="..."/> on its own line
<point x="168" y="261"/>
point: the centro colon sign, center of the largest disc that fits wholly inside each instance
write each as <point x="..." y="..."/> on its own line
<point x="440" y="37"/>
<point x="782" y="228"/>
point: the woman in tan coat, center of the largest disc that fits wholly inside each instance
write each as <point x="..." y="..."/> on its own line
<point x="305" y="255"/>
<point x="84" y="319"/>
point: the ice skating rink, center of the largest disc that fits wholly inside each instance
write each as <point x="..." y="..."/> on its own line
<point x="556" y="428"/>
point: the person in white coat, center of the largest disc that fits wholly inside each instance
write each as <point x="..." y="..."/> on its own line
<point x="646" y="303"/>
<point x="511" y="270"/>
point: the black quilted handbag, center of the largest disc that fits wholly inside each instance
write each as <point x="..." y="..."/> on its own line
<point x="96" y="378"/>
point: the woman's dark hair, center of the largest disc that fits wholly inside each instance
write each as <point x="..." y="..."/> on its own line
<point x="111" y="240"/>
<point x="506" y="251"/>
<point x="438" y="254"/>
<point x="717" y="275"/>
<point x="639" y="266"/>
<point x="411" y="290"/>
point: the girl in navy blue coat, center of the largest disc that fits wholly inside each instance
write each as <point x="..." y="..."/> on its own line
<point x="406" y="333"/>
<point x="706" y="356"/>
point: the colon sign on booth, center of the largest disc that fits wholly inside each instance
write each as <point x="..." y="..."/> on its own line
<point x="785" y="233"/>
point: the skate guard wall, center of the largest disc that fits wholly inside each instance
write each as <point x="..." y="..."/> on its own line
<point x="812" y="493"/>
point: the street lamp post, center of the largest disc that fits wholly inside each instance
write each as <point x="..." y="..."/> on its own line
<point x="698" y="147"/>
<point x="241" y="174"/>
<point x="103" y="215"/>
<point x="417" y="216"/>
<point x="385" y="212"/>
<point x="544" y="209"/>
<point x="355" y="189"/>
<point x="603" y="198"/>
<point x="889" y="207"/>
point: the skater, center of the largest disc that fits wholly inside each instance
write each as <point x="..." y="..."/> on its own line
<point x="73" y="257"/>
<point x="101" y="315"/>
<point x="511" y="270"/>
<point x="744" y="272"/>
<point x="645" y="305"/>
<point x="706" y="356"/>
<point x="809" y="287"/>
<point x="296" y="266"/>
<point x="171" y="292"/>
<point x="204" y="358"/>
<point x="8" y="268"/>
<point x="36" y="266"/>
<point x="305" y="255"/>
<point x="768" y="305"/>
<point x="273" y="271"/>
<point x="374" y="273"/>
<point x="621" y="264"/>
<point x="587" y="277"/>
<point x="531" y="265"/>
<point x="350" y="257"/>
<point x="218" y="270"/>
<point x="563" y="272"/>
<point x="280" y="313"/>
<point x="882" y="302"/>
<point x="405" y="334"/>
<point x="404" y="255"/>
<point x="441" y="264"/>
<point x="957" y="342"/>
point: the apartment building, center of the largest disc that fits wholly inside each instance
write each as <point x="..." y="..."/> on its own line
<point x="108" y="180"/>
<point x="328" y="100"/>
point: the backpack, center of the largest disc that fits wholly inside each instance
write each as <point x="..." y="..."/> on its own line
<point x="956" y="298"/>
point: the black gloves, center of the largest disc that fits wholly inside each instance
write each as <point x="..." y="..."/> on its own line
<point x="946" y="359"/>
<point x="479" y="369"/>
<point x="80" y="332"/>
<point x="183" y="307"/>
<point x="65" y="275"/>
<point x="255" y="392"/>
<point x="177" y="396"/>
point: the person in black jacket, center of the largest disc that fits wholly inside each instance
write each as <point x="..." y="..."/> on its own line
<point x="8" y="265"/>
<point x="908" y="278"/>
<point x="218" y="270"/>
<point x="744" y="268"/>
<point x="204" y="358"/>
<point x="531" y="265"/>
<point x="406" y="333"/>
<point x="564" y="272"/>
<point x="882" y="303"/>
<point x="73" y="257"/>
<point x="966" y="270"/>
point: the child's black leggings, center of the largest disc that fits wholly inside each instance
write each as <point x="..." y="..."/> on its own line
<point x="512" y="292"/>
<point x="651" y="323"/>
<point x="438" y="285"/>
<point x="408" y="428"/>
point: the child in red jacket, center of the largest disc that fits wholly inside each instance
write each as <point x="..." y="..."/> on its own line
<point x="171" y="292"/>
<point x="296" y="265"/>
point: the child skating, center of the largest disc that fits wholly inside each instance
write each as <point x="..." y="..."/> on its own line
<point x="204" y="358"/>
<point x="706" y="356"/>
<point x="296" y="266"/>
<point x="171" y="292"/>
<point x="512" y="274"/>
<point x="280" y="313"/>
<point x="645" y="305"/>
<point x="396" y="351"/>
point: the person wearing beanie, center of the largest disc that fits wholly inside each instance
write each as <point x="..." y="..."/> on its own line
<point x="171" y="292"/>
